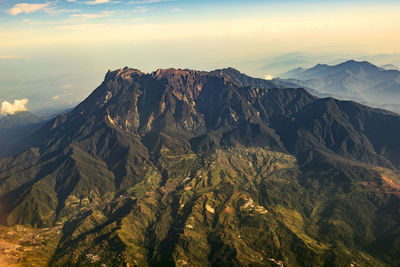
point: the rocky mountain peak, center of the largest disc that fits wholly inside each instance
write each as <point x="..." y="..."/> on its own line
<point x="151" y="168"/>
<point x="172" y="72"/>
<point x="124" y="73"/>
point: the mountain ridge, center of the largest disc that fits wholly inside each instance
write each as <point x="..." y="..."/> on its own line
<point x="355" y="80"/>
<point x="18" y="119"/>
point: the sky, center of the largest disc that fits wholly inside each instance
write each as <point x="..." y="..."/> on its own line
<point x="55" y="52"/>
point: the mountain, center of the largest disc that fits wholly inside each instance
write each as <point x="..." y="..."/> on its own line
<point x="243" y="80"/>
<point x="192" y="168"/>
<point x="381" y="59"/>
<point x="282" y="63"/>
<point x="389" y="67"/>
<point x="359" y="81"/>
<point x="14" y="130"/>
<point x="18" y="119"/>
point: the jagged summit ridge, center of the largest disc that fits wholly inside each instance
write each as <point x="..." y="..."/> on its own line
<point x="214" y="105"/>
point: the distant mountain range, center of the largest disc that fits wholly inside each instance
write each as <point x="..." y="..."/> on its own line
<point x="18" y="119"/>
<point x="14" y="130"/>
<point x="193" y="168"/>
<point x="389" y="67"/>
<point x="274" y="65"/>
<point x="359" y="81"/>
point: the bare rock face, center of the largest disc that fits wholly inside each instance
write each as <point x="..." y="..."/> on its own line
<point x="180" y="167"/>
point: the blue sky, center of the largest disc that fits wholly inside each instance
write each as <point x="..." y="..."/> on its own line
<point x="335" y="24"/>
<point x="55" y="52"/>
<point x="60" y="10"/>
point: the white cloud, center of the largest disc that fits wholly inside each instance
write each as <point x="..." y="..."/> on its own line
<point x="96" y="2"/>
<point x="17" y="106"/>
<point x="26" y="8"/>
<point x="55" y="97"/>
<point x="71" y="0"/>
<point x="177" y="10"/>
<point x="268" y="77"/>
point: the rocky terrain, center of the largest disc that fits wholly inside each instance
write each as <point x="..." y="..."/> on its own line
<point x="191" y="168"/>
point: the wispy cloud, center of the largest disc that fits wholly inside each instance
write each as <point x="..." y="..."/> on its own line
<point x="152" y="1"/>
<point x="92" y="16"/>
<point x="140" y="10"/>
<point x="143" y="2"/>
<point x="56" y="11"/>
<point x="177" y="10"/>
<point x="9" y="57"/>
<point x="17" y="106"/>
<point x="55" y="97"/>
<point x="27" y="8"/>
<point x="89" y="16"/>
<point x="96" y="2"/>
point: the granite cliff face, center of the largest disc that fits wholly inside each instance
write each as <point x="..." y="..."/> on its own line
<point x="183" y="167"/>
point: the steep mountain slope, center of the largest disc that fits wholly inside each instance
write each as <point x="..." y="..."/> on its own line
<point x="359" y="81"/>
<point x="182" y="167"/>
